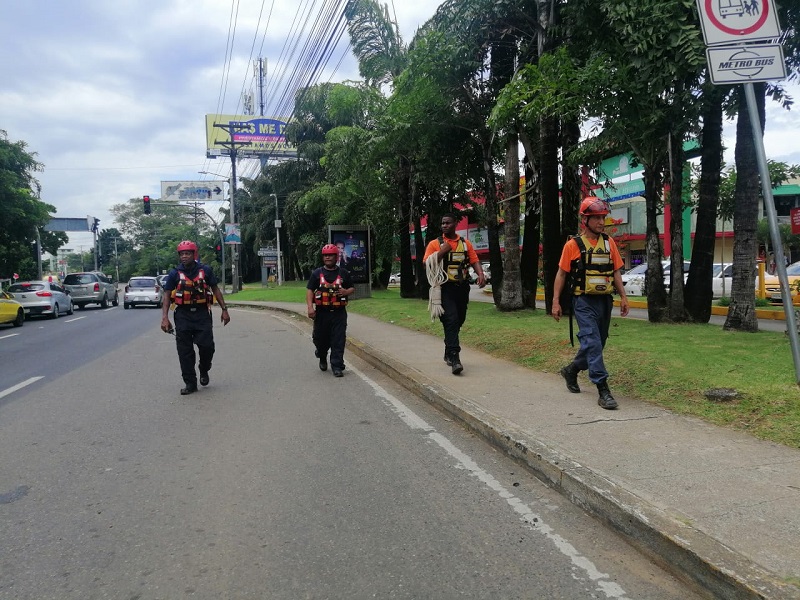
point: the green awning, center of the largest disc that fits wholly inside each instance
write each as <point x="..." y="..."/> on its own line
<point x="787" y="190"/>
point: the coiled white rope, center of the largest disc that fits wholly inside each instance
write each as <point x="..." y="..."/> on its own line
<point x="434" y="269"/>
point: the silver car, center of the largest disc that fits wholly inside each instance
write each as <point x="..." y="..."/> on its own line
<point x="39" y="298"/>
<point x="143" y="291"/>
<point x="91" y="288"/>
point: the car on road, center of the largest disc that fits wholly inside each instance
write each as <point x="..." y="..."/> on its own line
<point x="42" y="298"/>
<point x="394" y="278"/>
<point x="91" y="288"/>
<point x="11" y="311"/>
<point x="162" y="279"/>
<point x="633" y="280"/>
<point x="773" y="284"/>
<point x="143" y="291"/>
<point x="487" y="272"/>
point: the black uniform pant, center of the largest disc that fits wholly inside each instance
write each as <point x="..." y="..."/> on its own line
<point x="193" y="327"/>
<point x="330" y="333"/>
<point x="455" y="298"/>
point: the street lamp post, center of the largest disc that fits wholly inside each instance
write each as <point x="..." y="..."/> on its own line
<point x="278" y="236"/>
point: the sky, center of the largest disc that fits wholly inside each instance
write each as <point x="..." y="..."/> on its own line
<point x="112" y="96"/>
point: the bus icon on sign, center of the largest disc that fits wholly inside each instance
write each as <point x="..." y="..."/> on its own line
<point x="731" y="7"/>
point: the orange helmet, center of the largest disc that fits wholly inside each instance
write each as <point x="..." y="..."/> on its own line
<point x="188" y="245"/>
<point x="592" y="205"/>
<point x="330" y="249"/>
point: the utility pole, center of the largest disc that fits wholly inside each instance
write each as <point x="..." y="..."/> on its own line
<point x="232" y="146"/>
<point x="116" y="259"/>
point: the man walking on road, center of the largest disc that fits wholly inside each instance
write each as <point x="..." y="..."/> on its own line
<point x="454" y="254"/>
<point x="195" y="286"/>
<point x="326" y="302"/>
<point x="592" y="262"/>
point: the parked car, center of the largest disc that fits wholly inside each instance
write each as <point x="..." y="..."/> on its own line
<point x="162" y="280"/>
<point x="773" y="284"/>
<point x="11" y="311"/>
<point x="487" y="272"/>
<point x="143" y="291"/>
<point x="394" y="278"/>
<point x="42" y="298"/>
<point x="633" y="280"/>
<point x="91" y="288"/>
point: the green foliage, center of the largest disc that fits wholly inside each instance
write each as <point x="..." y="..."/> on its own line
<point x="22" y="211"/>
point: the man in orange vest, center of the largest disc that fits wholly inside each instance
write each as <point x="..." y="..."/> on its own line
<point x="195" y="288"/>
<point x="456" y="255"/>
<point x="593" y="263"/>
<point x="327" y="292"/>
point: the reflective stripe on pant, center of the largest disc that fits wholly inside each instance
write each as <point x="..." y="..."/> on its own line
<point x="193" y="327"/>
<point x="593" y="314"/>
<point x="330" y="333"/>
<point x="455" y="298"/>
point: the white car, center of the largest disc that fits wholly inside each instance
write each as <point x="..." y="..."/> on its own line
<point x="143" y="290"/>
<point x="633" y="280"/>
<point x="45" y="298"/>
<point x="394" y="278"/>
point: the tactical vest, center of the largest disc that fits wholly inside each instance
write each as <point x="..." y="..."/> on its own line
<point x="326" y="295"/>
<point x="593" y="271"/>
<point x="457" y="260"/>
<point x="194" y="291"/>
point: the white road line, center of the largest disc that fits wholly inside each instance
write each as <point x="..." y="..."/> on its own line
<point x="604" y="583"/>
<point x="19" y="386"/>
<point x="10" y="335"/>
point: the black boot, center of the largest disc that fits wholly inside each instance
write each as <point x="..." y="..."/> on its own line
<point x="448" y="361"/>
<point x="606" y="400"/>
<point x="455" y="363"/>
<point x="570" y="375"/>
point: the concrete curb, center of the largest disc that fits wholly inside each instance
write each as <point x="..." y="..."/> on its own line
<point x="682" y="549"/>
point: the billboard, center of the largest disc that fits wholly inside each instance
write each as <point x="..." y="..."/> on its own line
<point x="353" y="244"/>
<point x="177" y="191"/>
<point x="254" y="136"/>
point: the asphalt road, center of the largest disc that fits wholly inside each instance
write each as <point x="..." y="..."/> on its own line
<point x="276" y="481"/>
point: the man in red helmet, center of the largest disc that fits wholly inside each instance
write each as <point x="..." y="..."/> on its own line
<point x="326" y="301"/>
<point x="195" y="288"/>
<point x="593" y="262"/>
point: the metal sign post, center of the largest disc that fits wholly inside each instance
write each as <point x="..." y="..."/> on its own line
<point x="729" y="30"/>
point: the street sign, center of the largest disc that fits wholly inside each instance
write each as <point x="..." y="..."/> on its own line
<point x="737" y="21"/>
<point x="743" y="64"/>
<point x="181" y="191"/>
<point x="794" y="216"/>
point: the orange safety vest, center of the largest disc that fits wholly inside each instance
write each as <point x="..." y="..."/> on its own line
<point x="326" y="295"/>
<point x="192" y="291"/>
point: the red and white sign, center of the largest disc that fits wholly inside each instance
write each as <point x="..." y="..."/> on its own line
<point x="794" y="217"/>
<point x="16" y="276"/>
<point x="737" y="21"/>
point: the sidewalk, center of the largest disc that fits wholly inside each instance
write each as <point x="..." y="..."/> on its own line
<point x="715" y="505"/>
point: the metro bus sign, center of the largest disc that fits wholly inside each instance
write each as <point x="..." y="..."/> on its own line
<point x="738" y="21"/>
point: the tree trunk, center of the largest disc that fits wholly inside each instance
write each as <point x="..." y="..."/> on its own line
<point x="407" y="287"/>
<point x="741" y="312"/>
<point x="654" y="279"/>
<point x="529" y="261"/>
<point x="698" y="294"/>
<point x="676" y="161"/>
<point x="571" y="186"/>
<point x="552" y="239"/>
<point x="511" y="296"/>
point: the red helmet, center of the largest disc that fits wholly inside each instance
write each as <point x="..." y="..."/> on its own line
<point x="330" y="249"/>
<point x="592" y="205"/>
<point x="187" y="245"/>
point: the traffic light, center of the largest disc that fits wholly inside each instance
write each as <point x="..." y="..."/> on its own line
<point x="146" y="200"/>
<point x="218" y="248"/>
<point x="99" y="260"/>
